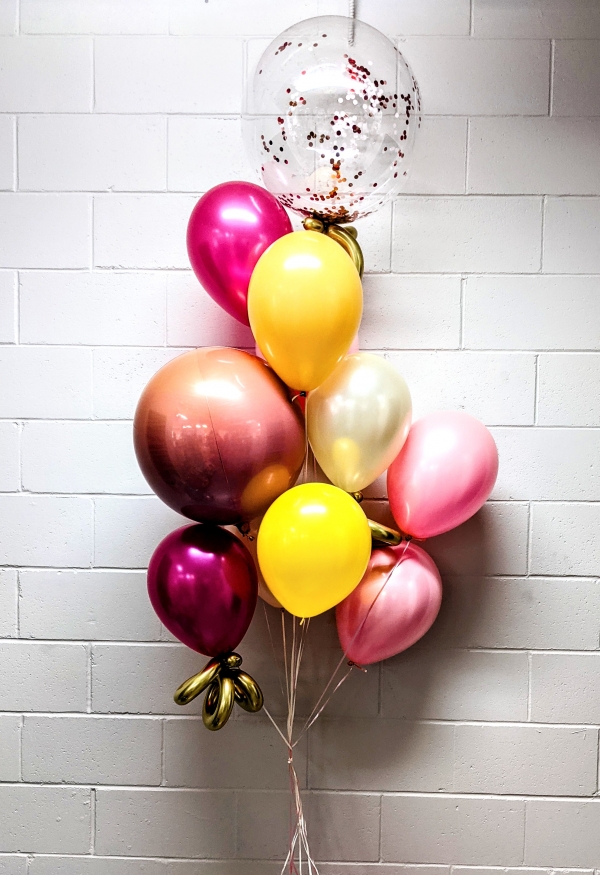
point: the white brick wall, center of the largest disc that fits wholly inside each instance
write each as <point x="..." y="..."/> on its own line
<point x="475" y="752"/>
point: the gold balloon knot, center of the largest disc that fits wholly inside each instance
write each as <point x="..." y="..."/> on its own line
<point x="225" y="684"/>
<point x="346" y="237"/>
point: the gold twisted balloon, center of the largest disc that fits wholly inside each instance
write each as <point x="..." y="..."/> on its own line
<point x="346" y="237"/>
<point x="226" y="684"/>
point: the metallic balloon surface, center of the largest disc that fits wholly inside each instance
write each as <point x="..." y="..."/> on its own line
<point x="392" y="607"/>
<point x="305" y="305"/>
<point x="358" y="420"/>
<point x="444" y="473"/>
<point x="217" y="437"/>
<point x="313" y="547"/>
<point x="330" y="118"/>
<point x="202" y="584"/>
<point x="229" y="229"/>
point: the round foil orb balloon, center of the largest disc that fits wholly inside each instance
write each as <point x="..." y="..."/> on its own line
<point x="330" y="118"/>
<point x="217" y="437"/>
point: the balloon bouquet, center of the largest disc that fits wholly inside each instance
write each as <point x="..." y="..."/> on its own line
<point x="222" y="435"/>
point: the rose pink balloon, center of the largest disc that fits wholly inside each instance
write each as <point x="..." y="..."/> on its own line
<point x="393" y="606"/>
<point x="202" y="584"/>
<point x="229" y="229"/>
<point x="443" y="474"/>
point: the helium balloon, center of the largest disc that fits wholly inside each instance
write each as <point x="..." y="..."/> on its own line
<point x="444" y="473"/>
<point x="393" y="606"/>
<point x="229" y="229"/>
<point x="313" y="547"/>
<point x="202" y="584"/>
<point x="217" y="437"/>
<point x="330" y="118"/>
<point x="305" y="304"/>
<point x="358" y="420"/>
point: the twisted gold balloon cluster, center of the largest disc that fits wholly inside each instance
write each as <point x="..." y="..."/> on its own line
<point x="226" y="684"/>
<point x="346" y="237"/>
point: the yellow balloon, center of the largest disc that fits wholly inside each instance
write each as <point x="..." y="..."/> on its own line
<point x="314" y="544"/>
<point x="304" y="305"/>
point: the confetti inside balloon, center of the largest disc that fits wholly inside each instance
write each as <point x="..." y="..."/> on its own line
<point x="330" y="118"/>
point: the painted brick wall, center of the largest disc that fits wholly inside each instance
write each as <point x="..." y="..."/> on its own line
<point x="478" y="748"/>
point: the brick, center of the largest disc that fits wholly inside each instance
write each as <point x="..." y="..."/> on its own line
<point x="58" y="223"/>
<point x="547" y="464"/>
<point x="10" y="750"/>
<point x="44" y="383"/>
<point x="13" y="865"/>
<point x="570" y="232"/>
<point x="127" y="530"/>
<point x="164" y="74"/>
<point x="440" y="156"/>
<point x="494" y="541"/>
<point x="500" y="151"/>
<point x="348" y="755"/>
<point x="42" y="865"/>
<point x="43" y="677"/>
<point x="574" y="379"/>
<point x="503" y="393"/>
<point x="178" y="823"/>
<point x="80" y="457"/>
<point x="564" y="539"/>
<point x="410" y="312"/>
<point x="92" y="153"/>
<point x="45" y="530"/>
<point x="91" y="750"/>
<point x="141" y="231"/>
<point x="8" y="307"/>
<point x="566" y="19"/>
<point x="524" y="614"/>
<point x="465" y="76"/>
<point x="565" y="687"/>
<point x="236" y="18"/>
<point x="410" y="17"/>
<point x="247" y="754"/>
<point x="562" y="832"/>
<point x="47" y="74"/>
<point x="86" y="605"/>
<point x="10" y="479"/>
<point x="141" y="679"/>
<point x="206" y="151"/>
<point x="440" y="830"/>
<point x="554" y="312"/>
<point x="376" y="239"/>
<point x="119" y="377"/>
<point x="92" y="308"/>
<point x="8" y="603"/>
<point x="7" y="149"/>
<point x="467" y="685"/>
<point x="536" y="761"/>
<point x="576" y="89"/>
<point x="328" y="817"/>
<point x="52" y="819"/>
<point x="94" y="16"/>
<point x="472" y="235"/>
<point x="194" y="319"/>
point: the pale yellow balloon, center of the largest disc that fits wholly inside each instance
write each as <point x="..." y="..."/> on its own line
<point x="314" y="544"/>
<point x="358" y="420"/>
<point x="304" y="306"/>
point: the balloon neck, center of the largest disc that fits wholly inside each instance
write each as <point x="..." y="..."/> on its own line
<point x="384" y="535"/>
<point x="346" y="237"/>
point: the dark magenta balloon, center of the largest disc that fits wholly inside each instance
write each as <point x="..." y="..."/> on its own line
<point x="217" y="437"/>
<point x="229" y="229"/>
<point x="202" y="584"/>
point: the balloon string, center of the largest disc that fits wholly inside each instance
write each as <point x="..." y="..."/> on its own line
<point x="275" y="660"/>
<point x="351" y="16"/>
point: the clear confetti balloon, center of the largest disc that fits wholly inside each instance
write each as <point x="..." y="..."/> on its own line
<point x="330" y="118"/>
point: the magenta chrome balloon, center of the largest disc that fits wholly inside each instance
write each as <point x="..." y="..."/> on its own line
<point x="229" y="229"/>
<point x="202" y="584"/>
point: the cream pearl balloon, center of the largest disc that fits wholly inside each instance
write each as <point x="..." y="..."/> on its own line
<point x="358" y="420"/>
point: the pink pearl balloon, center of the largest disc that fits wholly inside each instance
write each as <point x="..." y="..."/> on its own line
<point x="443" y="474"/>
<point x="229" y="229"/>
<point x="393" y="606"/>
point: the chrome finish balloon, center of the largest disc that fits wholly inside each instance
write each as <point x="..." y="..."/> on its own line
<point x="217" y="436"/>
<point x="358" y="420"/>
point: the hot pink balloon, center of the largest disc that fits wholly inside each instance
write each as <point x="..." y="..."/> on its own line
<point x="393" y="606"/>
<point x="202" y="584"/>
<point x="443" y="474"/>
<point x="229" y="229"/>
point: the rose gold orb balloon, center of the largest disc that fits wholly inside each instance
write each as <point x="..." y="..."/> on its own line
<point x="217" y="436"/>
